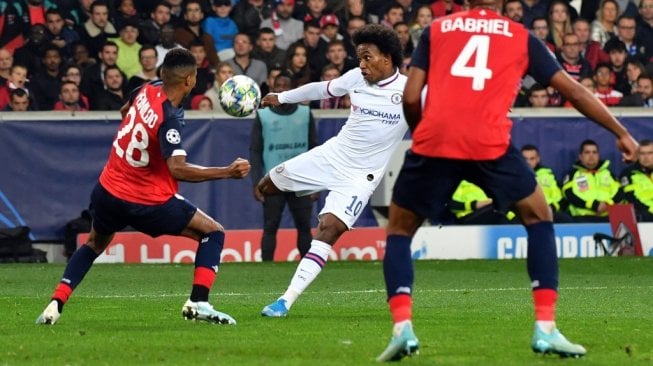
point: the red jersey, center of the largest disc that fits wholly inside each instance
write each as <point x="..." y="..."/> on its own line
<point x="149" y="134"/>
<point x="475" y="61"/>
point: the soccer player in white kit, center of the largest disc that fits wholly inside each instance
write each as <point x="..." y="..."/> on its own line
<point x="351" y="164"/>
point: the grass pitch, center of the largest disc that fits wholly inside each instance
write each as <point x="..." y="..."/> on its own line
<point x="465" y="313"/>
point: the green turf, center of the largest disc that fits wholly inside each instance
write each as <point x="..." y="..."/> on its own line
<point x="465" y="313"/>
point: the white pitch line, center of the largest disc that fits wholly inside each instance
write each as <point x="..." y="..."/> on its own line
<point x="374" y="291"/>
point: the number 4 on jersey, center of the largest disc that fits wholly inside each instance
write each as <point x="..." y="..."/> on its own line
<point x="478" y="47"/>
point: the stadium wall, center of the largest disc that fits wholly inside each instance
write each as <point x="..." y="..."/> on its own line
<point x="51" y="160"/>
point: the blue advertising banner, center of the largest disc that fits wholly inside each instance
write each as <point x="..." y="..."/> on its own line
<point x="50" y="164"/>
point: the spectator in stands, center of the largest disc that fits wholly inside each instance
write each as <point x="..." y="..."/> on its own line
<point x="272" y="74"/>
<point x="534" y="9"/>
<point x="538" y="97"/>
<point x="147" y="59"/>
<point x="354" y="23"/>
<point x="32" y="50"/>
<point x="167" y="43"/>
<point x="626" y="32"/>
<point x="17" y="80"/>
<point x="248" y="15"/>
<point x="12" y="26"/>
<point x="73" y="73"/>
<point x="267" y="51"/>
<point x="287" y="29"/>
<point x="356" y="8"/>
<point x="316" y="48"/>
<point x="618" y="55"/>
<point x="313" y="10"/>
<point x="330" y="26"/>
<point x="637" y="182"/>
<point x="589" y="49"/>
<point x="111" y="97"/>
<point x="81" y="56"/>
<point x="6" y="60"/>
<point x="59" y="34"/>
<point x="222" y="28"/>
<point x="19" y="101"/>
<point x="514" y="10"/>
<point x="95" y="31"/>
<point x="559" y="22"/>
<point x="589" y="83"/>
<point x="405" y="65"/>
<point x="643" y="95"/>
<point x="202" y="103"/>
<point x="570" y="58"/>
<point x="393" y="14"/>
<point x="329" y="72"/>
<point x="204" y="75"/>
<point x="444" y="7"/>
<point x="296" y="65"/>
<point x="125" y="13"/>
<point x="45" y="85"/>
<point x="223" y="72"/>
<point x="540" y="29"/>
<point x="422" y="19"/>
<point x="176" y="12"/>
<point x="243" y="63"/>
<point x="604" y="90"/>
<point x="590" y="187"/>
<point x="337" y="56"/>
<point x="645" y="26"/>
<point x="471" y="206"/>
<point x="70" y="99"/>
<point x="634" y="69"/>
<point x="403" y="32"/>
<point x="191" y="31"/>
<point x="603" y="28"/>
<point x="93" y="76"/>
<point x="150" y="29"/>
<point x="128" y="48"/>
<point x="291" y="125"/>
<point x="547" y="180"/>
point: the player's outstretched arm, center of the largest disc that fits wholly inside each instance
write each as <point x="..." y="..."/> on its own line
<point x="590" y="106"/>
<point x="182" y="170"/>
<point x="270" y="100"/>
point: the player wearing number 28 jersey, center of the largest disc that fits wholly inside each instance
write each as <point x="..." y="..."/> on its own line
<point x="473" y="62"/>
<point x="138" y="187"/>
<point x="149" y="134"/>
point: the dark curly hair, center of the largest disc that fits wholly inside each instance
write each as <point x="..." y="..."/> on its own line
<point x="384" y="38"/>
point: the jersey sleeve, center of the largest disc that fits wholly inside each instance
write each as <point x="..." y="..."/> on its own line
<point x="322" y="89"/>
<point x="420" y="56"/>
<point x="542" y="65"/>
<point x="170" y="133"/>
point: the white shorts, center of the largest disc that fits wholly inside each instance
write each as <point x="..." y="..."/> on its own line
<point x="311" y="172"/>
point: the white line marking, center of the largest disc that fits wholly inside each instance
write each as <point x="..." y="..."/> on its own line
<point x="374" y="291"/>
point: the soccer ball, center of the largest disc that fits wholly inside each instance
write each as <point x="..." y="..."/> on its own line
<point x="239" y="96"/>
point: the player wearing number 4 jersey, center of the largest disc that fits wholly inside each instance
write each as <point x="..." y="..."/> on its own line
<point x="473" y="62"/>
<point x="138" y="187"/>
<point x="351" y="164"/>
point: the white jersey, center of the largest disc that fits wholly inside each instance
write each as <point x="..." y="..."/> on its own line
<point x="375" y="125"/>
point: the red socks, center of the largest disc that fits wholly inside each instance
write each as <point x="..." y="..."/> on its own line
<point x="545" y="303"/>
<point x="62" y="292"/>
<point x="401" y="307"/>
<point x="204" y="277"/>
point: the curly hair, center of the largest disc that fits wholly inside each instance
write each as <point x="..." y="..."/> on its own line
<point x="384" y="38"/>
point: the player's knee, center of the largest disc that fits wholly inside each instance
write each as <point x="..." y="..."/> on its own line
<point x="329" y="229"/>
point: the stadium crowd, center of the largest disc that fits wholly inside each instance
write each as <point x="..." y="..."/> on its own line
<point x="88" y="55"/>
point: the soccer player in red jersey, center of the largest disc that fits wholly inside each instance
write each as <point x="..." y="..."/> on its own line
<point x="473" y="62"/>
<point x="138" y="187"/>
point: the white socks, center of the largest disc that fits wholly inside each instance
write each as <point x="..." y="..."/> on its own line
<point x="547" y="326"/>
<point x="307" y="270"/>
